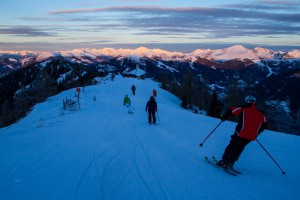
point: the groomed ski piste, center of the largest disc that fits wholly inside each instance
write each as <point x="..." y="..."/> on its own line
<point x="99" y="151"/>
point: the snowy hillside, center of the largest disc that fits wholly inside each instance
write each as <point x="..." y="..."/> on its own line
<point x="101" y="152"/>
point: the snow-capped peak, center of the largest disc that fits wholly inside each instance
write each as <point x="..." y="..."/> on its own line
<point x="236" y="49"/>
<point x="293" y="54"/>
<point x="234" y="52"/>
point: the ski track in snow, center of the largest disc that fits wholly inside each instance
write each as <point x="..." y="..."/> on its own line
<point x="101" y="175"/>
<point x="151" y="167"/>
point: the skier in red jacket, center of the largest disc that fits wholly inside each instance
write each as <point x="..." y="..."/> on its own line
<point x="251" y="123"/>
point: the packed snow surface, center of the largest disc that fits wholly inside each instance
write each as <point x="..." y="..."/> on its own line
<point x="99" y="151"/>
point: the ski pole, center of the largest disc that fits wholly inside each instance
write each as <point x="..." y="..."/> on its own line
<point x="201" y="144"/>
<point x="157" y="116"/>
<point x="132" y="107"/>
<point x="283" y="172"/>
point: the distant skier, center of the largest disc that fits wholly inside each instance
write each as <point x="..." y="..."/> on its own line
<point x="154" y="93"/>
<point x="127" y="103"/>
<point x="251" y="123"/>
<point x="151" y="107"/>
<point x="133" y="89"/>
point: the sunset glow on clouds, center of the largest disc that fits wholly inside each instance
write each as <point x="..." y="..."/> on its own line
<point x="172" y="25"/>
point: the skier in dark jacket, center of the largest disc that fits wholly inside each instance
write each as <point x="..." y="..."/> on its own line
<point x="151" y="107"/>
<point x="251" y="123"/>
<point x="133" y="89"/>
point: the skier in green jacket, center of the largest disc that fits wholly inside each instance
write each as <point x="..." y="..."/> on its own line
<point x="127" y="103"/>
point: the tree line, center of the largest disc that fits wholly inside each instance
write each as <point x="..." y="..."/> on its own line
<point x="196" y="94"/>
<point x="22" y="89"/>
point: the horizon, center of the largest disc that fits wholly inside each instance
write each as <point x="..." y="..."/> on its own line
<point x="181" y="26"/>
<point x="132" y="48"/>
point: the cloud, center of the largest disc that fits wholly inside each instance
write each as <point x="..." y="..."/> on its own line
<point x="24" y="31"/>
<point x="269" y="5"/>
<point x="139" y="0"/>
<point x="230" y="11"/>
<point x="231" y="20"/>
<point x="234" y="20"/>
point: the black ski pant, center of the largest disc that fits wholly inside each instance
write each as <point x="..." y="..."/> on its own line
<point x="151" y="117"/>
<point x="234" y="149"/>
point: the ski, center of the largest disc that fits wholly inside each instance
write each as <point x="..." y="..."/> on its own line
<point x="230" y="169"/>
<point x="212" y="162"/>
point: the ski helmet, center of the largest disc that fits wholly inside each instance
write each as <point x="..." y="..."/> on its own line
<point x="250" y="99"/>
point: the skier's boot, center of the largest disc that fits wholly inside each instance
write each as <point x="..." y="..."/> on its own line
<point x="230" y="166"/>
<point x="222" y="164"/>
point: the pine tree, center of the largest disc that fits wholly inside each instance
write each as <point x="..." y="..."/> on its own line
<point x="184" y="103"/>
<point x="190" y="91"/>
<point x="163" y="80"/>
<point x="234" y="94"/>
<point x="215" y="106"/>
<point x="5" y="113"/>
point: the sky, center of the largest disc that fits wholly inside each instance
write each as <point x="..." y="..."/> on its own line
<point x="99" y="151"/>
<point x="173" y="25"/>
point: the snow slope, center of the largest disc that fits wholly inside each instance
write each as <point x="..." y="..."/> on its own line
<point x="101" y="152"/>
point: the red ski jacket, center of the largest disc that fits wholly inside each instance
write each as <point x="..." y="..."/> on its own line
<point x="251" y="122"/>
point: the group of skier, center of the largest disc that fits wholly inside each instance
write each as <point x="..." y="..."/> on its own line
<point x="251" y="123"/>
<point x="151" y="105"/>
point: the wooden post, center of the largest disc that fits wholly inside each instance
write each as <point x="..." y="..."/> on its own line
<point x="78" y="96"/>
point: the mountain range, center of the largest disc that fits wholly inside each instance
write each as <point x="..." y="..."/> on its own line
<point x="273" y="76"/>
<point x="10" y="60"/>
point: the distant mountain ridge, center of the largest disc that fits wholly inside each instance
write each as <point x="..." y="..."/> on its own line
<point x="13" y="59"/>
